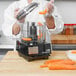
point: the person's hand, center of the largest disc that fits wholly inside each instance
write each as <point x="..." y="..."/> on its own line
<point x="16" y="27"/>
<point x="50" y="6"/>
<point x="16" y="13"/>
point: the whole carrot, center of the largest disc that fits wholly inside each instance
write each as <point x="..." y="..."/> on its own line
<point x="58" y="61"/>
<point x="61" y="67"/>
<point x="52" y="61"/>
<point x="46" y="63"/>
<point x="64" y="61"/>
<point x="68" y="61"/>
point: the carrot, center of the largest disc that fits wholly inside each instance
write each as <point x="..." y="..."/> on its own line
<point x="52" y="61"/>
<point x="40" y="24"/>
<point x="43" y="12"/>
<point x="46" y="63"/>
<point x="40" y="36"/>
<point x="27" y="39"/>
<point x="43" y="66"/>
<point x="68" y="61"/>
<point x="61" y="67"/>
<point x="59" y="64"/>
<point x="73" y="52"/>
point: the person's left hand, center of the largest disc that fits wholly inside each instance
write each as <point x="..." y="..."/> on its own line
<point x="50" y="6"/>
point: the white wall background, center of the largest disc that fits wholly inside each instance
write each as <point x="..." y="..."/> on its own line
<point x="3" y="6"/>
<point x="66" y="8"/>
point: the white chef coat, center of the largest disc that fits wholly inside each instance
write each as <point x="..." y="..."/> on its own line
<point x="9" y="19"/>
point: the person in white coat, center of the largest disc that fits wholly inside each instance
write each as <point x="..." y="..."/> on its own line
<point x="11" y="26"/>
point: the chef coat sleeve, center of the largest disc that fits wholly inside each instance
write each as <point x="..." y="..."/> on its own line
<point x="9" y="20"/>
<point x="59" y="24"/>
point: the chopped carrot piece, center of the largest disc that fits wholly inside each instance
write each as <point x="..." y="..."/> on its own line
<point x="43" y="12"/>
<point x="40" y="36"/>
<point x="27" y="39"/>
<point x="40" y="24"/>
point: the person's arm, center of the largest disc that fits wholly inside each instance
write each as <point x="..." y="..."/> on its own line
<point x="16" y="27"/>
<point x="10" y="26"/>
<point x="53" y="19"/>
<point x="48" y="17"/>
<point x="59" y="24"/>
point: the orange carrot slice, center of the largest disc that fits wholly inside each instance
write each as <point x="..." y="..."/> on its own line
<point x="43" y="12"/>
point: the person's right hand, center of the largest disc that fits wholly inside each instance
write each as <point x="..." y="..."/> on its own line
<point x="16" y="13"/>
